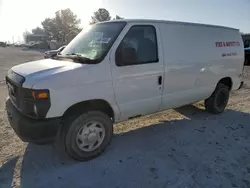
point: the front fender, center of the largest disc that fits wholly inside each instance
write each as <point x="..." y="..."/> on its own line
<point x="63" y="99"/>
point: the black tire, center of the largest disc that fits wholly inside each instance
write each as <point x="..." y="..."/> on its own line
<point x="71" y="127"/>
<point x="217" y="102"/>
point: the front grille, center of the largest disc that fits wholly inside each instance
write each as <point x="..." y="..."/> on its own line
<point x="14" y="83"/>
<point x="22" y="98"/>
<point x="13" y="91"/>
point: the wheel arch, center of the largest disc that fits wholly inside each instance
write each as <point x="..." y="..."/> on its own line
<point x="226" y="81"/>
<point x="94" y="104"/>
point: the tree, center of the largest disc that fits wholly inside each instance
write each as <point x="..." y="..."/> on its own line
<point x="100" y="15"/>
<point x="38" y="31"/>
<point x="118" y="18"/>
<point x="64" y="22"/>
<point x="49" y="27"/>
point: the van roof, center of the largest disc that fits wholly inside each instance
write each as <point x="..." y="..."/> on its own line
<point x="172" y="22"/>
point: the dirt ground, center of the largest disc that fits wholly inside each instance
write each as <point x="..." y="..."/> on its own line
<point x="182" y="148"/>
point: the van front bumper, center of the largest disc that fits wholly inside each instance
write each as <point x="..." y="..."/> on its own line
<point x="32" y="130"/>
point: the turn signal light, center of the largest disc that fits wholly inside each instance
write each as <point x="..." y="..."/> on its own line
<point x="40" y="95"/>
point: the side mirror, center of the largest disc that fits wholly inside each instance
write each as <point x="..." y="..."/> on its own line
<point x="126" y="56"/>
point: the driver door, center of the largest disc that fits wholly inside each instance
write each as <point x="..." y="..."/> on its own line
<point x="137" y="70"/>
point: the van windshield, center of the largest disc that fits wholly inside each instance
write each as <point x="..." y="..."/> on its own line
<point x="94" y="43"/>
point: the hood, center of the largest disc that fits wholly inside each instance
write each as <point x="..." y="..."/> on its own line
<point x="41" y="66"/>
<point x="52" y="74"/>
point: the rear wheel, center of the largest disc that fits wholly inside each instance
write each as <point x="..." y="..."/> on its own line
<point x="86" y="136"/>
<point x="217" y="102"/>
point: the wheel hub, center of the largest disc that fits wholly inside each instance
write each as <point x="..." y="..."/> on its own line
<point x="90" y="136"/>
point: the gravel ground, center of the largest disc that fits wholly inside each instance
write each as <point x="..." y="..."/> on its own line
<point x="185" y="147"/>
<point x="10" y="56"/>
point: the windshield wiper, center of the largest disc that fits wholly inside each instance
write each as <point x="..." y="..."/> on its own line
<point x="74" y="54"/>
<point x="79" y="58"/>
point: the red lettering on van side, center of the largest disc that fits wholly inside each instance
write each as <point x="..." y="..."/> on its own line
<point x="227" y="44"/>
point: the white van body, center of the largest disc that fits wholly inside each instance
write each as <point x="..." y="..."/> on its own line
<point x="190" y="61"/>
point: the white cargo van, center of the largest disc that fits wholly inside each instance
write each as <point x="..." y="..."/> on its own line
<point x="118" y="70"/>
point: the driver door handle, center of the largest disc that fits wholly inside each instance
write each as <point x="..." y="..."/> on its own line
<point x="159" y="80"/>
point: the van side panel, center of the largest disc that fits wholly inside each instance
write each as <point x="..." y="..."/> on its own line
<point x="195" y="61"/>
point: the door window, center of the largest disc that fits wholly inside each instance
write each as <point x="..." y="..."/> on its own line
<point x="139" y="46"/>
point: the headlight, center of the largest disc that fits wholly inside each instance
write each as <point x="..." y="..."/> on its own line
<point x="36" y="103"/>
<point x="33" y="95"/>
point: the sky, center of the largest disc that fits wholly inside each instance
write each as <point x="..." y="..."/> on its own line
<point x="17" y="16"/>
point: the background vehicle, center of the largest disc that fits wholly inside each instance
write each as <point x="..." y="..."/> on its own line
<point x="247" y="56"/>
<point x="53" y="53"/>
<point x="3" y="44"/>
<point x="119" y="70"/>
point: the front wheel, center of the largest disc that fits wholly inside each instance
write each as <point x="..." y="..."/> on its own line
<point x="86" y="136"/>
<point x="217" y="102"/>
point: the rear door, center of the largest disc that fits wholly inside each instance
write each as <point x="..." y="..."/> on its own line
<point x="137" y="70"/>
